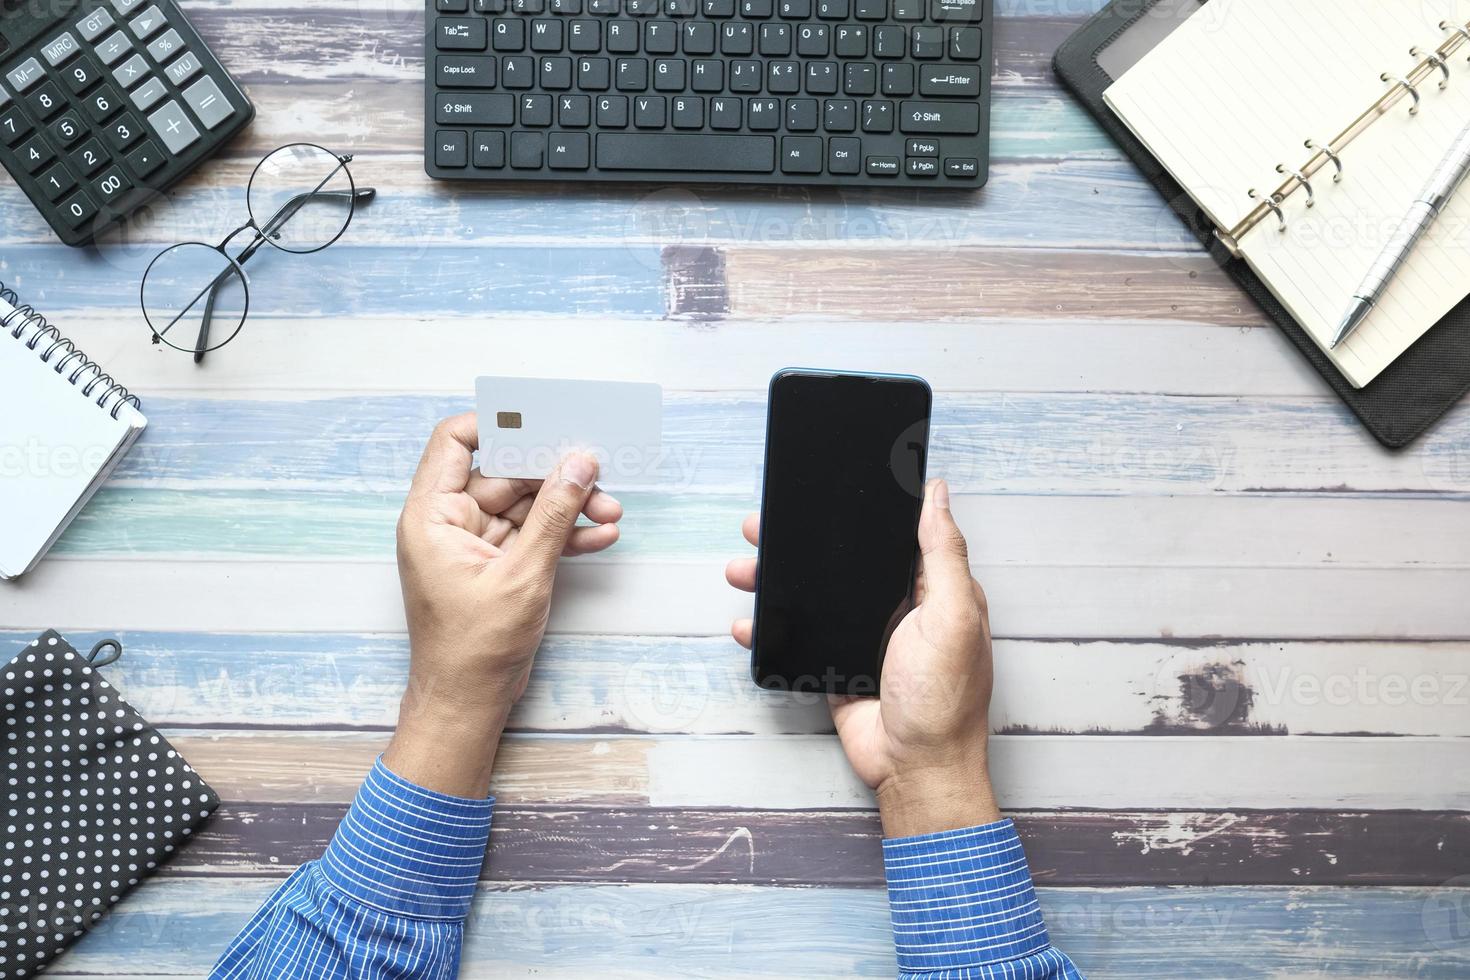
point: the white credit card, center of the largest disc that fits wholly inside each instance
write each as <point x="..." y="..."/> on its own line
<point x="528" y="424"/>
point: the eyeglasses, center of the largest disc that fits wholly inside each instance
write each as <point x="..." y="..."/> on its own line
<point x="195" y="297"/>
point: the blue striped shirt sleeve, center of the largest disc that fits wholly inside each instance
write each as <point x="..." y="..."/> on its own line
<point x="964" y="908"/>
<point x="387" y="900"/>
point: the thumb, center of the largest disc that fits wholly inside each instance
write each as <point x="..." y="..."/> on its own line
<point x="947" y="577"/>
<point x="554" y="513"/>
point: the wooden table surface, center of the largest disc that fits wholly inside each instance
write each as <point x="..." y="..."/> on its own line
<point x="1233" y="636"/>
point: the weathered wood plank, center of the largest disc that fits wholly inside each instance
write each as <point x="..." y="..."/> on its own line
<point x="841" y="847"/>
<point x="794" y="772"/>
<point x="177" y="927"/>
<point x="673" y="598"/>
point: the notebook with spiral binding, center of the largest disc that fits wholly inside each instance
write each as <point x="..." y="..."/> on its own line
<point x="1213" y="100"/>
<point x="64" y="425"/>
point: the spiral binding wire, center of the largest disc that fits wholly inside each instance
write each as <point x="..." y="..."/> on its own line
<point x="25" y="324"/>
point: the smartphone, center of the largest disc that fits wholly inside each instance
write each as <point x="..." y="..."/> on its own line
<point x="840" y="500"/>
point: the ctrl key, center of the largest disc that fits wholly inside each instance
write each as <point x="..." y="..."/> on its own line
<point x="78" y="209"/>
<point x="451" y="149"/>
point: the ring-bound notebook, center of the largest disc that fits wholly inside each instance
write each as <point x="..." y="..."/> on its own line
<point x="64" y="425"/>
<point x="1282" y="133"/>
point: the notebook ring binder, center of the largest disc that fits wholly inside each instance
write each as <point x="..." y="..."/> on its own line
<point x="1459" y="29"/>
<point x="1331" y="155"/>
<point x="60" y="343"/>
<point x="1400" y="82"/>
<point x="1301" y="178"/>
<point x="1435" y="60"/>
<point x="1274" y="203"/>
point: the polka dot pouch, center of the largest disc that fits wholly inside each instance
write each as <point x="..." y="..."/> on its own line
<point x="95" y="800"/>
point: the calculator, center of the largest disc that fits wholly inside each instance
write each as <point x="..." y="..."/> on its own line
<point x="106" y="103"/>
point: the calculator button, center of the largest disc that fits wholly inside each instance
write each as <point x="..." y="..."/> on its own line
<point x="88" y="158"/>
<point x="4" y="97"/>
<point x="56" y="52"/>
<point x="208" y="102"/>
<point x="131" y="72"/>
<point x="13" y="126"/>
<point x="165" y="46"/>
<point x="126" y="6"/>
<point x="77" y="209"/>
<point x="146" y="96"/>
<point x="80" y="76"/>
<point x="173" y="127"/>
<point x="24" y="75"/>
<point x="56" y="182"/>
<point x="185" y="68"/>
<point x="146" y="24"/>
<point x="35" y="154"/>
<point x="46" y="101"/>
<point x="68" y="129"/>
<point x="111" y="185"/>
<point x="146" y="159"/>
<point x="92" y="25"/>
<point x="103" y="103"/>
<point x="124" y="131"/>
<point x="114" y="47"/>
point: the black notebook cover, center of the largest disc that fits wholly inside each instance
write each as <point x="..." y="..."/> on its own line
<point x="95" y="801"/>
<point x="1398" y="405"/>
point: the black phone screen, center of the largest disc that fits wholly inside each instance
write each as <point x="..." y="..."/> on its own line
<point x="844" y="479"/>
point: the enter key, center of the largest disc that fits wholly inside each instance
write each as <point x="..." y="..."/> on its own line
<point x="949" y="80"/>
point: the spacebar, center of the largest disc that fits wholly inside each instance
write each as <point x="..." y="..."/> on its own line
<point x="703" y="154"/>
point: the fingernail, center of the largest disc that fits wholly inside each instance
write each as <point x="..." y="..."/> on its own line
<point x="941" y="495"/>
<point x="580" y="469"/>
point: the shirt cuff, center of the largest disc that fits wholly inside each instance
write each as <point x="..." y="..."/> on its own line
<point x="962" y="898"/>
<point x="407" y="850"/>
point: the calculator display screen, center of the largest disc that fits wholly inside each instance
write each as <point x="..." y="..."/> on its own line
<point x="22" y="21"/>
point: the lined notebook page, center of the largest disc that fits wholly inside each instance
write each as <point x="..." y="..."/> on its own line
<point x="1243" y="84"/>
<point x="56" y="447"/>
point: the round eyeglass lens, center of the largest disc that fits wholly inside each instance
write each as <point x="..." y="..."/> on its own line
<point x="301" y="197"/>
<point x="194" y="298"/>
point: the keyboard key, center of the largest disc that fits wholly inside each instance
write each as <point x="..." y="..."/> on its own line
<point x="165" y="46"/>
<point x="898" y="79"/>
<point x="870" y="9"/>
<point x="450" y="148"/>
<point x="839" y="115"/>
<point x="114" y="48"/>
<point x="801" y="154"/>
<point x="123" y="132"/>
<point x="536" y="110"/>
<point x="146" y="159"/>
<point x="146" y="24"/>
<point x="509" y="35"/>
<point x="967" y="167"/>
<point x="724" y="113"/>
<point x="465" y="71"/>
<point x="921" y="148"/>
<point x="813" y="40"/>
<point x="92" y="26"/>
<point x="928" y="42"/>
<point x="593" y="74"/>
<point x="546" y="35"/>
<point x="556" y="74"/>
<point x="59" y="50"/>
<point x="24" y="75"/>
<point x="691" y="153"/>
<point x="860" y="78"/>
<point x="955" y="80"/>
<point x="68" y="129"/>
<point x="882" y="166"/>
<point x="183" y="68"/>
<point x="88" y="158"/>
<point x="131" y="72"/>
<point x="35" y="154"/>
<point x="47" y="100"/>
<point x="844" y="156"/>
<point x="567" y="151"/>
<point x="527" y="150"/>
<point x="78" y="209"/>
<point x="452" y="6"/>
<point x="208" y="102"/>
<point x="688" y="112"/>
<point x="80" y="75"/>
<point x="56" y="182"/>
<point x="146" y="96"/>
<point x="650" y="112"/>
<point x="956" y="11"/>
<point x="612" y="111"/>
<point x="585" y="37"/>
<point x="474" y="110"/>
<point x="964" y="43"/>
<point x="518" y="72"/>
<point x="489" y="149"/>
<point x="13" y="126"/>
<point x="801" y="115"/>
<point x="877" y="116"/>
<point x="763" y="115"/>
<point x="852" y="41"/>
<point x="921" y="167"/>
<point x="939" y="117"/>
<point x="102" y="104"/>
<point x="173" y="127"/>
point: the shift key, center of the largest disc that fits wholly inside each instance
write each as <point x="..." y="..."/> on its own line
<point x="961" y="118"/>
<point x="464" y="109"/>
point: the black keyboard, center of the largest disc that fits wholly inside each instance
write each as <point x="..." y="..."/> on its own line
<point x="103" y="105"/>
<point x="830" y="92"/>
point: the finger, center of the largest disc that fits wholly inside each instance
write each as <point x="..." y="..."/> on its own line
<point x="548" y="527"/>
<point x="751" y="528"/>
<point x="590" y="540"/>
<point x="602" y="508"/>
<point x="946" y="558"/>
<point x="496" y="495"/>
<point x="742" y="630"/>
<point x="741" y="574"/>
<point x="447" y="460"/>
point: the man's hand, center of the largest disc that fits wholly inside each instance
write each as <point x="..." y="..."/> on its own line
<point x="922" y="746"/>
<point x="477" y="560"/>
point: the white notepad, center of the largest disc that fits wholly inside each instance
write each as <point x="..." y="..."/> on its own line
<point x="61" y="434"/>
<point x="1241" y="86"/>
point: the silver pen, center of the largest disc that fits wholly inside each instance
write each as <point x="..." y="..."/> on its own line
<point x="1441" y="187"/>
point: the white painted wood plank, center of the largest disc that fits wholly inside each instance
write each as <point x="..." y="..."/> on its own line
<point x="691" y="598"/>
